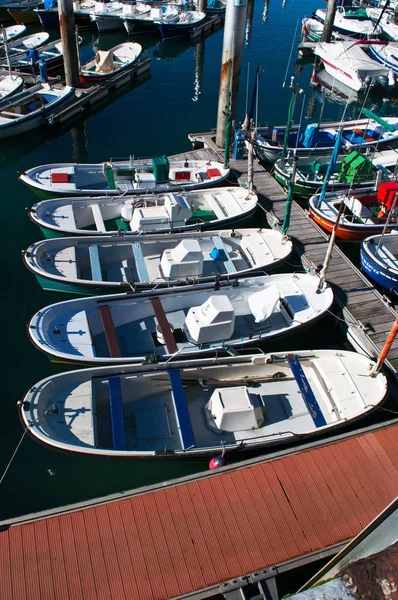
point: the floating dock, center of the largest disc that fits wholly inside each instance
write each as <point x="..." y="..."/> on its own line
<point x="366" y="315"/>
<point x="209" y="534"/>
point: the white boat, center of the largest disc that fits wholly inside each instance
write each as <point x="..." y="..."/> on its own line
<point x="157" y="213"/>
<point x="98" y="264"/>
<point x="386" y="22"/>
<point x="22" y="45"/>
<point x="133" y="176"/>
<point x="356" y="28"/>
<point x="191" y="321"/>
<point x="107" y="16"/>
<point x="349" y="64"/>
<point x="27" y="110"/>
<point x="171" y="26"/>
<point x="386" y="54"/>
<point x="202" y="407"/>
<point x="137" y="17"/>
<point x="11" y="32"/>
<point x="108" y="62"/>
<point x="10" y="84"/>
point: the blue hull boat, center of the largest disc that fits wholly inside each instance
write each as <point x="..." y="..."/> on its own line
<point x="379" y="260"/>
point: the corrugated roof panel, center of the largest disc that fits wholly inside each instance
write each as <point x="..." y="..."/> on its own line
<point x="30" y="567"/>
<point x="82" y="551"/>
<point x="149" y="549"/>
<point x="95" y="539"/>
<point x="141" y="574"/>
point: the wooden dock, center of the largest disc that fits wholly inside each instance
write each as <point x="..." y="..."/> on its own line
<point x="366" y="316"/>
<point x="208" y="534"/>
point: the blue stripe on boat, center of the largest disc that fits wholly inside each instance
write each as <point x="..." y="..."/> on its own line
<point x="95" y="265"/>
<point x="182" y="414"/>
<point x="306" y="391"/>
<point x="117" y="419"/>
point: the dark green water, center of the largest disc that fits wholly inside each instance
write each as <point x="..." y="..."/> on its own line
<point x="178" y="97"/>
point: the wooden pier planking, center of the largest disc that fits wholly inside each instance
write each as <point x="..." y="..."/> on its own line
<point x="364" y="310"/>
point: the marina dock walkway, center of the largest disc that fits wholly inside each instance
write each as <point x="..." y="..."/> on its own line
<point x="212" y="531"/>
<point x="367" y="316"/>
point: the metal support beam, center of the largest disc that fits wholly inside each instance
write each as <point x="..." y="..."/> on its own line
<point x="234" y="30"/>
<point x="68" y="37"/>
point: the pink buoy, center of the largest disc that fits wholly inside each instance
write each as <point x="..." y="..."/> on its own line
<point x="216" y="462"/>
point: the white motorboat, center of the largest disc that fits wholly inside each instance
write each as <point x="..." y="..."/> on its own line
<point x="132" y="176"/>
<point x="192" y="321"/>
<point x="11" y="32"/>
<point x="202" y="407"/>
<point x="346" y="25"/>
<point x="156" y="213"/>
<point x="9" y="85"/>
<point x="351" y="65"/>
<point x="108" y="62"/>
<point x="98" y="264"/>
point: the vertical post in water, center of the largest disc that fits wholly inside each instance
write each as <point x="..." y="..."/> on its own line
<point x="329" y="20"/>
<point x="68" y="37"/>
<point x="202" y="5"/>
<point x="234" y="30"/>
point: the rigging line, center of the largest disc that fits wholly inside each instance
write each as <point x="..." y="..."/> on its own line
<point x="247" y="86"/>
<point x="290" y="56"/>
<point x="13" y="456"/>
<point x="300" y="122"/>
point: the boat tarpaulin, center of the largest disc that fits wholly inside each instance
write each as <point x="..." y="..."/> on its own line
<point x="379" y="120"/>
<point x="161" y="167"/>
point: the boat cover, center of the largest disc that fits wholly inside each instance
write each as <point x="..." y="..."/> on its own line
<point x="104" y="62"/>
<point x="349" y="57"/>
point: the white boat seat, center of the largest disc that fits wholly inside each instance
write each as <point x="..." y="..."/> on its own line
<point x="140" y="262"/>
<point x="99" y="221"/>
<point x="95" y="264"/>
<point x="388" y="256"/>
<point x="117" y="417"/>
<point x="219" y="244"/>
<point x="182" y="414"/>
<point x="215" y="207"/>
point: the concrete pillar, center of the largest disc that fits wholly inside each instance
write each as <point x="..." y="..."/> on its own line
<point x="68" y="37"/>
<point x="329" y="20"/>
<point x="234" y="30"/>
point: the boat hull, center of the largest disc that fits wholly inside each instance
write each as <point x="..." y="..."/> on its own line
<point x="23" y="16"/>
<point x="381" y="276"/>
<point x="344" y="232"/>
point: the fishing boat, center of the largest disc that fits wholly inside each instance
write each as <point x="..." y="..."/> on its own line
<point x="107" y="16"/>
<point x="386" y="54"/>
<point x="385" y="19"/>
<point x="108" y="62"/>
<point x="355" y="169"/>
<point x="379" y="260"/>
<point x="156" y="213"/>
<point x="50" y="54"/>
<point x="7" y="8"/>
<point x="99" y="264"/>
<point x="317" y="139"/>
<point x="11" y="32"/>
<point x="131" y="176"/>
<point x="202" y="407"/>
<point x="192" y="321"/>
<point x="29" y="109"/>
<point x="21" y="46"/>
<point x="351" y="65"/>
<point x="49" y="17"/>
<point x="138" y="17"/>
<point x="9" y="85"/>
<point x="365" y="211"/>
<point x="359" y="28"/>
<point x="180" y="25"/>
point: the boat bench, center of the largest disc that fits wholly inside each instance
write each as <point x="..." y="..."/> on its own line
<point x="117" y="417"/>
<point x="388" y="256"/>
<point x="164" y="325"/>
<point x="219" y="244"/>
<point x="99" y="221"/>
<point x="95" y="264"/>
<point x="181" y="410"/>
<point x="140" y="262"/>
<point x="110" y="332"/>
<point x="308" y="395"/>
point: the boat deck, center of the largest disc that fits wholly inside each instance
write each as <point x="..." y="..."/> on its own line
<point x="213" y="532"/>
<point x="365" y="313"/>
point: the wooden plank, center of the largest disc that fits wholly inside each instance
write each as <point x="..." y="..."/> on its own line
<point x="109" y="330"/>
<point x="164" y="326"/>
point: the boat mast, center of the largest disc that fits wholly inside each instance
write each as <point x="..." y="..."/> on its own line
<point x="3" y="32"/>
<point x="383" y="354"/>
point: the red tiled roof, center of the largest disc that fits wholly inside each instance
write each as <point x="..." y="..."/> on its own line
<point x="193" y="535"/>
